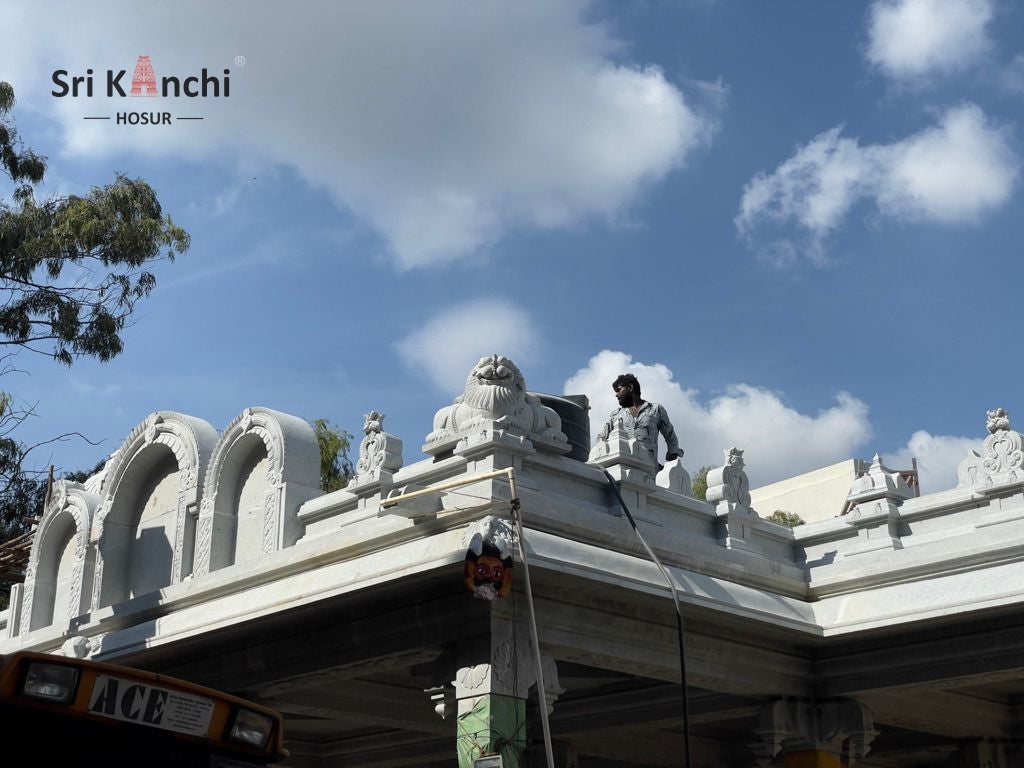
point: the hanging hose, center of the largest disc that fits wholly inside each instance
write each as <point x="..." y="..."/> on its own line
<point x="679" y="615"/>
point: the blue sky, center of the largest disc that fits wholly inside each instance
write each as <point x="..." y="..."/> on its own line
<point x="798" y="223"/>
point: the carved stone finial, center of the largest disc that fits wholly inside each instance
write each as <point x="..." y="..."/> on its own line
<point x="380" y="453"/>
<point x="615" y="447"/>
<point x="674" y="477"/>
<point x="729" y="490"/>
<point x="495" y="400"/>
<point x="373" y="422"/>
<point x="996" y="420"/>
<point x="879" y="482"/>
<point x="729" y="482"/>
<point x="1001" y="460"/>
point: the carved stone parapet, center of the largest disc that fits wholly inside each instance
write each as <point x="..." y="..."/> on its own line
<point x="489" y="438"/>
<point x="675" y="478"/>
<point x="495" y="399"/>
<point x="631" y="478"/>
<point x="380" y="456"/>
<point x="873" y="503"/>
<point x="728" y="484"/>
<point x="879" y="482"/>
<point x="729" y="490"/>
<point x="96" y="483"/>
<point x="619" y="449"/>
<point x="1001" y="460"/>
<point x="835" y="726"/>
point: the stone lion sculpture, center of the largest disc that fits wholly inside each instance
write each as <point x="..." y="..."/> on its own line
<point x="495" y="394"/>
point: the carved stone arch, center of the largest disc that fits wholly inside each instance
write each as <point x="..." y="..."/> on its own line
<point x="264" y="466"/>
<point x="58" y="579"/>
<point x="145" y="529"/>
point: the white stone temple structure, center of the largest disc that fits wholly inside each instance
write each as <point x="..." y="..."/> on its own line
<point x="890" y="636"/>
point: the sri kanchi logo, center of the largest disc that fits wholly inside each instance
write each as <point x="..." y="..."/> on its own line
<point x="144" y="83"/>
<point x="143" y="78"/>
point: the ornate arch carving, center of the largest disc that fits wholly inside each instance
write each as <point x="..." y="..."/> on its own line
<point x="190" y="441"/>
<point x="293" y="466"/>
<point x="70" y="504"/>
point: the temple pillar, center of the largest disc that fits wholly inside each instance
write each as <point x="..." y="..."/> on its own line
<point x="491" y="686"/>
<point x="989" y="753"/>
<point x="807" y="733"/>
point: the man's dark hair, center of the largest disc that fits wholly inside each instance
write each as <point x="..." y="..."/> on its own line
<point x="627" y="379"/>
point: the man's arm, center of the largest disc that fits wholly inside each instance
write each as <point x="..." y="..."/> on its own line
<point x="669" y="433"/>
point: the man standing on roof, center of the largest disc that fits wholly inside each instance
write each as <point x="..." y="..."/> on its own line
<point x="641" y="419"/>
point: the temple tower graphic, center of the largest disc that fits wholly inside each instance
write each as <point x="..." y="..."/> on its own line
<point x="143" y="77"/>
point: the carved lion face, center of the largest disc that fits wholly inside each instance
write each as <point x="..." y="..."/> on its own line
<point x="495" y="385"/>
<point x="997" y="419"/>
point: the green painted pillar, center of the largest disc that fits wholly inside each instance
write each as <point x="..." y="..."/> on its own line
<point x="491" y="724"/>
<point x="491" y="687"/>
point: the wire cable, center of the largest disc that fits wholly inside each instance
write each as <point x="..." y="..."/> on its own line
<point x="679" y="614"/>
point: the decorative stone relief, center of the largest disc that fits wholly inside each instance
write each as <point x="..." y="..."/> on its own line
<point x="291" y="477"/>
<point x="204" y="535"/>
<point x="95" y="483"/>
<point x="675" y="478"/>
<point x="493" y="531"/>
<point x="380" y="455"/>
<point x="878" y="482"/>
<point x="509" y="674"/>
<point x="178" y="559"/>
<point x="191" y="441"/>
<point x="271" y="515"/>
<point x="1001" y="459"/>
<point x="495" y="399"/>
<point x="728" y="484"/>
<point x="77" y="647"/>
<point x="729" y="490"/>
<point x="836" y="726"/>
<point x="67" y="500"/>
<point x="619" y="449"/>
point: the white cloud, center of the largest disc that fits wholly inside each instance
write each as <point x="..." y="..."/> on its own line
<point x="778" y="441"/>
<point x="1012" y="77"/>
<point x="444" y="125"/>
<point x="950" y="173"/>
<point x="911" y="39"/>
<point x="449" y="344"/>
<point x="937" y="458"/>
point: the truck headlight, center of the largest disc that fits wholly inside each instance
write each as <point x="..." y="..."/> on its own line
<point x="52" y="682"/>
<point x="252" y="728"/>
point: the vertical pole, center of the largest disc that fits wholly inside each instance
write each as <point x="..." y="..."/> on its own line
<point x="541" y="693"/>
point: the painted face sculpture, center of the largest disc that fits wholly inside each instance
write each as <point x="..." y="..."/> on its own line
<point x="486" y="575"/>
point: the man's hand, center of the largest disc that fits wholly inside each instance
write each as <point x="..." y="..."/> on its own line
<point x="671" y="456"/>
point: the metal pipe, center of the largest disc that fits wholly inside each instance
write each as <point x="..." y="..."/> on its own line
<point x="393" y="501"/>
